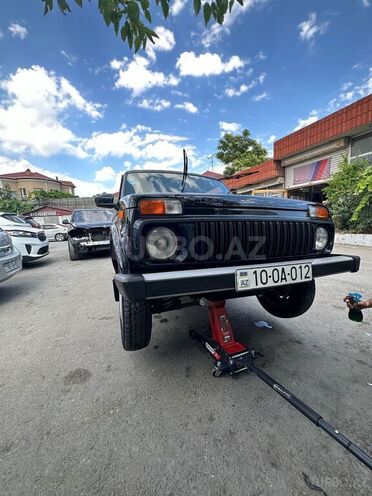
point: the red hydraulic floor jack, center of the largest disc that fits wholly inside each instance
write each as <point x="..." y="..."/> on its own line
<point x="231" y="357"/>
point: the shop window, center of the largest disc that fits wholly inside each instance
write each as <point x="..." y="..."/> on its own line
<point x="361" y="146"/>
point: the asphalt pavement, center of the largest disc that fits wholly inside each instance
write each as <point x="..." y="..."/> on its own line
<point x="80" y="416"/>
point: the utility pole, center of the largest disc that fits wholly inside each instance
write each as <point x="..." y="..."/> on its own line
<point x="211" y="159"/>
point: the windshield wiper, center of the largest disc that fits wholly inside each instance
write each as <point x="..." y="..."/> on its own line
<point x="185" y="170"/>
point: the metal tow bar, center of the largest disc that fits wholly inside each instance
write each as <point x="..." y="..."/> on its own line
<point x="238" y="359"/>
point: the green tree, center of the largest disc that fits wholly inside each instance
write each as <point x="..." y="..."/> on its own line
<point x="44" y="195"/>
<point x="239" y="151"/>
<point x="9" y="203"/>
<point x="349" y="195"/>
<point x="133" y="18"/>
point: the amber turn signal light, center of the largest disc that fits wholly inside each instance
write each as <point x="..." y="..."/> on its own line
<point x="160" y="206"/>
<point x="319" y="211"/>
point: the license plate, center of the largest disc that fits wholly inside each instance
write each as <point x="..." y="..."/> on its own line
<point x="276" y="275"/>
<point x="10" y="266"/>
<point x="101" y="243"/>
<point x="96" y="243"/>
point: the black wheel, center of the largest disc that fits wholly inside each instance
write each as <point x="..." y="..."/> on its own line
<point x="135" y="324"/>
<point x="288" y="301"/>
<point x="72" y="252"/>
<point x="59" y="237"/>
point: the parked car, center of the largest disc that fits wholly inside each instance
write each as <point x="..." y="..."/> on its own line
<point x="55" y="232"/>
<point x="89" y="231"/>
<point x="31" y="221"/>
<point x="29" y="241"/>
<point x="178" y="238"/>
<point x="10" y="258"/>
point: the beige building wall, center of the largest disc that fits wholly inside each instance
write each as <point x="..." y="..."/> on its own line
<point x="30" y="185"/>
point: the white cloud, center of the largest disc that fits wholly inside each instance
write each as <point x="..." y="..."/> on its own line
<point x="271" y="139"/>
<point x="260" y="97"/>
<point x="206" y="64"/>
<point x="347" y="96"/>
<point x="105" y="175"/>
<point x="83" y="188"/>
<point x="157" y="104"/>
<point x="351" y="92"/>
<point x="135" y="75"/>
<point x="147" y="148"/>
<point x="164" y="43"/>
<point x="260" y="56"/>
<point x="32" y="112"/>
<point x="188" y="106"/>
<point x="261" y="78"/>
<point x="366" y="3"/>
<point x="18" y="31"/>
<point x="312" y="117"/>
<point x="309" y="28"/>
<point x="214" y="33"/>
<point x="71" y="59"/>
<point x="177" y="6"/>
<point x="243" y="88"/>
<point x="229" y="127"/>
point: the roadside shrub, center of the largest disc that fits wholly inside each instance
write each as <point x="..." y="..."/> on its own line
<point x="349" y="196"/>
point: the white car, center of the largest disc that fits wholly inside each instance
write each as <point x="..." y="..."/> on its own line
<point x="10" y="258"/>
<point x="29" y="241"/>
<point x="55" y="232"/>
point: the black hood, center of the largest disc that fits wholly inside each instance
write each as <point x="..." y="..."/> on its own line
<point x="226" y="201"/>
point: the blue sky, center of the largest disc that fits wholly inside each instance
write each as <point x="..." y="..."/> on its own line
<point x="76" y="103"/>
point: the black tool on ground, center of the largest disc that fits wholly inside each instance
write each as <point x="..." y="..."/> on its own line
<point x="231" y="357"/>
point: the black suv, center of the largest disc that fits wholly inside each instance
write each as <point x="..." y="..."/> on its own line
<point x="179" y="238"/>
<point x="89" y="231"/>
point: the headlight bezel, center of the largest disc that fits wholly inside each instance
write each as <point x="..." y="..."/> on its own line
<point x="325" y="233"/>
<point x="154" y="251"/>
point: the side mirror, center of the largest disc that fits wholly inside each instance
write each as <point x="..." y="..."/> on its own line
<point x="65" y="221"/>
<point x="105" y="200"/>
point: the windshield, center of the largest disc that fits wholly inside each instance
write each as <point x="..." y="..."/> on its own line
<point x="92" y="216"/>
<point x="171" y="182"/>
<point x="14" y="218"/>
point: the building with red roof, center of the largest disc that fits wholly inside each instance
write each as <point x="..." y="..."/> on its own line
<point x="312" y="154"/>
<point x="26" y="182"/>
<point x="263" y="179"/>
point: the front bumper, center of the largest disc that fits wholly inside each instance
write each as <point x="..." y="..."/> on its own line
<point x="141" y="287"/>
<point x="31" y="248"/>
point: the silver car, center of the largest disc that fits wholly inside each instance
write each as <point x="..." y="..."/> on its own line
<point x="10" y="258"/>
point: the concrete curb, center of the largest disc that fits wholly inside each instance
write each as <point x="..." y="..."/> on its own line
<point x="354" y="239"/>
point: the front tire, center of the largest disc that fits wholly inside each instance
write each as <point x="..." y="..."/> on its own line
<point x="72" y="252"/>
<point x="59" y="237"/>
<point x="135" y="324"/>
<point x="287" y="302"/>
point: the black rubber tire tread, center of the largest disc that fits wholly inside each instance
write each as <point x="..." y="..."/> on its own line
<point x="72" y="252"/>
<point x="136" y="325"/>
<point x="300" y="297"/>
<point x="57" y="239"/>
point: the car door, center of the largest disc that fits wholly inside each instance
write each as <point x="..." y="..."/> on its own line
<point x="50" y="230"/>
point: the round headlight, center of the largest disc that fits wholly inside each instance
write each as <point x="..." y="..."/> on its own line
<point x="321" y="238"/>
<point x="161" y="243"/>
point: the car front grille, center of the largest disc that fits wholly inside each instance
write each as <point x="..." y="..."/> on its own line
<point x="41" y="236"/>
<point x="100" y="235"/>
<point x="253" y="240"/>
<point x="43" y="250"/>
